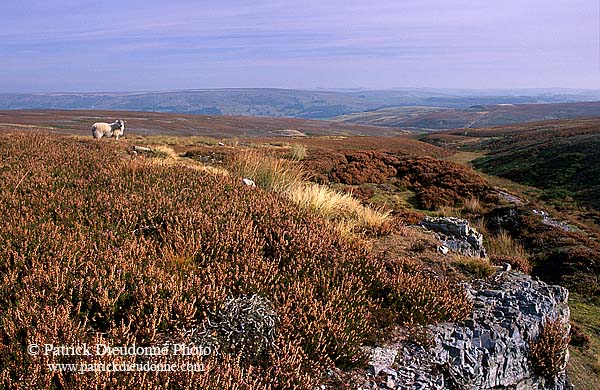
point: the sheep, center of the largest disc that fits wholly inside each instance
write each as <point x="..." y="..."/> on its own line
<point x="102" y="129"/>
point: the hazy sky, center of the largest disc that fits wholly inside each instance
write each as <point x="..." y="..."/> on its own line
<point x="79" y="45"/>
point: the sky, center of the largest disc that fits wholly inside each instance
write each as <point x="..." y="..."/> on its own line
<point x="110" y="45"/>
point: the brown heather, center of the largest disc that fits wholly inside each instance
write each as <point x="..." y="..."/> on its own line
<point x="548" y="353"/>
<point x="436" y="183"/>
<point x="98" y="247"/>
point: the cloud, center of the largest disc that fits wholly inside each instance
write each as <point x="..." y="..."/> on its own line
<point x="463" y="41"/>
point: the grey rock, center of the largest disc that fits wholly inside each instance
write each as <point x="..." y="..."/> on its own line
<point x="548" y="220"/>
<point x="245" y="325"/>
<point x="380" y="359"/>
<point x="510" y="197"/>
<point x="489" y="350"/>
<point x="457" y="235"/>
<point x="142" y="149"/>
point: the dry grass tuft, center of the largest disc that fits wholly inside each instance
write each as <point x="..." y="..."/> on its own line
<point x="268" y="172"/>
<point x="472" y="205"/>
<point x="448" y="211"/>
<point x="165" y="156"/>
<point x="337" y="206"/>
<point x="298" y="152"/>
<point x="475" y="267"/>
<point x="503" y="245"/>
<point x="519" y="263"/>
<point x="165" y="153"/>
<point x="290" y="179"/>
<point x="480" y="225"/>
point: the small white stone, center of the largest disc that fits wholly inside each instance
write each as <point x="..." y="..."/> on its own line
<point x="249" y="182"/>
<point x="390" y="383"/>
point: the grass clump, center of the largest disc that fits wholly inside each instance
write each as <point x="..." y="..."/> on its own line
<point x="448" y="211"/>
<point x="298" y="152"/>
<point x="289" y="179"/>
<point x="548" y="353"/>
<point x="337" y="206"/>
<point x="268" y="172"/>
<point x="472" y="205"/>
<point x="503" y="245"/>
<point x="165" y="153"/>
<point x="475" y="267"/>
<point x="519" y="263"/>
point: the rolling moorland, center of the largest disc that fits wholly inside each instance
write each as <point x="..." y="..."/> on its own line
<point x="77" y="122"/>
<point x="314" y="104"/>
<point x="475" y="116"/>
<point x="559" y="157"/>
<point x="340" y="274"/>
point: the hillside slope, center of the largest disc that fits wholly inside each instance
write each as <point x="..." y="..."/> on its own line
<point x="477" y="116"/>
<point x="273" y="102"/>
<point x="560" y="157"/>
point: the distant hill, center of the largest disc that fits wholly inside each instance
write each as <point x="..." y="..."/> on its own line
<point x="560" y="157"/>
<point x="286" y="102"/>
<point x="149" y="123"/>
<point x="475" y="116"/>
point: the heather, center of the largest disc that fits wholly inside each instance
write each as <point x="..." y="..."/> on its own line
<point x="99" y="245"/>
<point x="435" y="183"/>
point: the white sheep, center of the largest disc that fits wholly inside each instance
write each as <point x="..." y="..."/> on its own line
<point x="102" y="129"/>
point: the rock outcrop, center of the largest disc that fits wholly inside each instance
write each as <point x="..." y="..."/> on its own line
<point x="457" y="235"/>
<point x="548" y="220"/>
<point x="488" y="351"/>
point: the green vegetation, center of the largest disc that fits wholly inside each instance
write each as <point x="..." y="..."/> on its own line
<point x="584" y="362"/>
<point x="475" y="267"/>
<point x="566" y="167"/>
